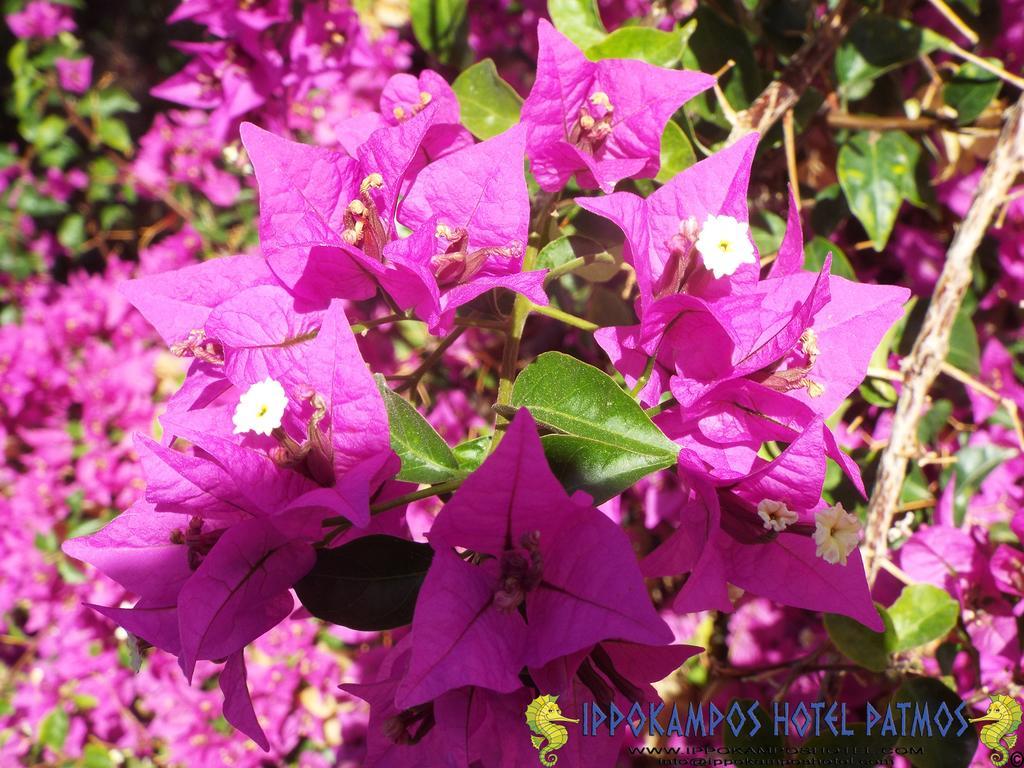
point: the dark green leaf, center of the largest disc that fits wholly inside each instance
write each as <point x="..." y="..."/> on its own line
<point x="952" y="751"/>
<point x="579" y="20"/>
<point x="600" y="469"/>
<point x="875" y="45"/>
<point x="440" y="27"/>
<point x="818" y="248"/>
<point x="768" y="238"/>
<point x="607" y="441"/>
<point x="921" y="614"/>
<point x="877" y="173"/>
<point x="488" y="104"/>
<point x="973" y="464"/>
<point x="714" y="43"/>
<point x="768" y="741"/>
<point x="858" y="643"/>
<point x="426" y="457"/>
<point x="934" y="420"/>
<point x="971" y="90"/>
<point x="830" y="210"/>
<point x="655" y="46"/>
<point x="676" y="152"/>
<point x="964" y="351"/>
<point x="368" y="584"/>
<point x="870" y="750"/>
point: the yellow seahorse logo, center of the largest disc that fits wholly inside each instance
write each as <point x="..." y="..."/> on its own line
<point x="1000" y="732"/>
<point x="543" y="715"/>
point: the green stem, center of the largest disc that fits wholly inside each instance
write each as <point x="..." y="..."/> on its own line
<point x="422" y="493"/>
<point x="393" y="318"/>
<point x="565" y="317"/>
<point x="414" y="378"/>
<point x="654" y="410"/>
<point x="644" y="378"/>
<point x="342" y="524"/>
<point x="573" y="264"/>
<point x="520" y="311"/>
<point x="510" y="357"/>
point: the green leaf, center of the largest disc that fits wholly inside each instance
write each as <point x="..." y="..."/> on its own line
<point x="111" y="215"/>
<point x="870" y="750"/>
<point x="964" y="351"/>
<point x="973" y="464"/>
<point x="50" y="130"/>
<point x="96" y="756"/>
<point x="767" y="740"/>
<point x="607" y="441"/>
<point x="921" y="614"/>
<point x="875" y="45"/>
<point x="471" y="453"/>
<point x="858" y="643"/>
<point x="426" y="457"/>
<point x="925" y="751"/>
<point x="53" y="730"/>
<point x="715" y="42"/>
<point x="71" y="233"/>
<point x="488" y="104"/>
<point x="111" y="101"/>
<point x="114" y="133"/>
<point x="36" y="204"/>
<point x="768" y="238"/>
<point x="579" y="20"/>
<point x="440" y="27"/>
<point x="569" y="247"/>
<point x="655" y="46"/>
<point x="830" y="210"/>
<point x="676" y="152"/>
<point x="970" y="90"/>
<point x="877" y="172"/>
<point x="934" y="420"/>
<point x="369" y="584"/>
<point x="600" y="469"/>
<point x="818" y="248"/>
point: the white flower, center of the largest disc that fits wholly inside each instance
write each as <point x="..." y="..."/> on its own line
<point x="836" y="534"/>
<point x="776" y="515"/>
<point x="260" y="408"/>
<point x="724" y="244"/>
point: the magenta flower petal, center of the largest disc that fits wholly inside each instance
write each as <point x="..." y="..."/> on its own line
<point x="237" y="703"/>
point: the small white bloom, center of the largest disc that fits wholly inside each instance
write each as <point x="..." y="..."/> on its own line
<point x="260" y="408"/>
<point x="775" y="514"/>
<point x="724" y="244"/>
<point x="836" y="534"/>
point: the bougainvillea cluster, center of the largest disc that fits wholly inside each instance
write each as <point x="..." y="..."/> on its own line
<point x="360" y="403"/>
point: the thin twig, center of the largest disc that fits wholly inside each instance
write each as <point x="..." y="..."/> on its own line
<point x="782" y="95"/>
<point x="844" y="120"/>
<point x="955" y="20"/>
<point x="985" y="64"/>
<point x="414" y="378"/>
<point x="789" y="139"/>
<point x="982" y="388"/>
<point x="932" y="343"/>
